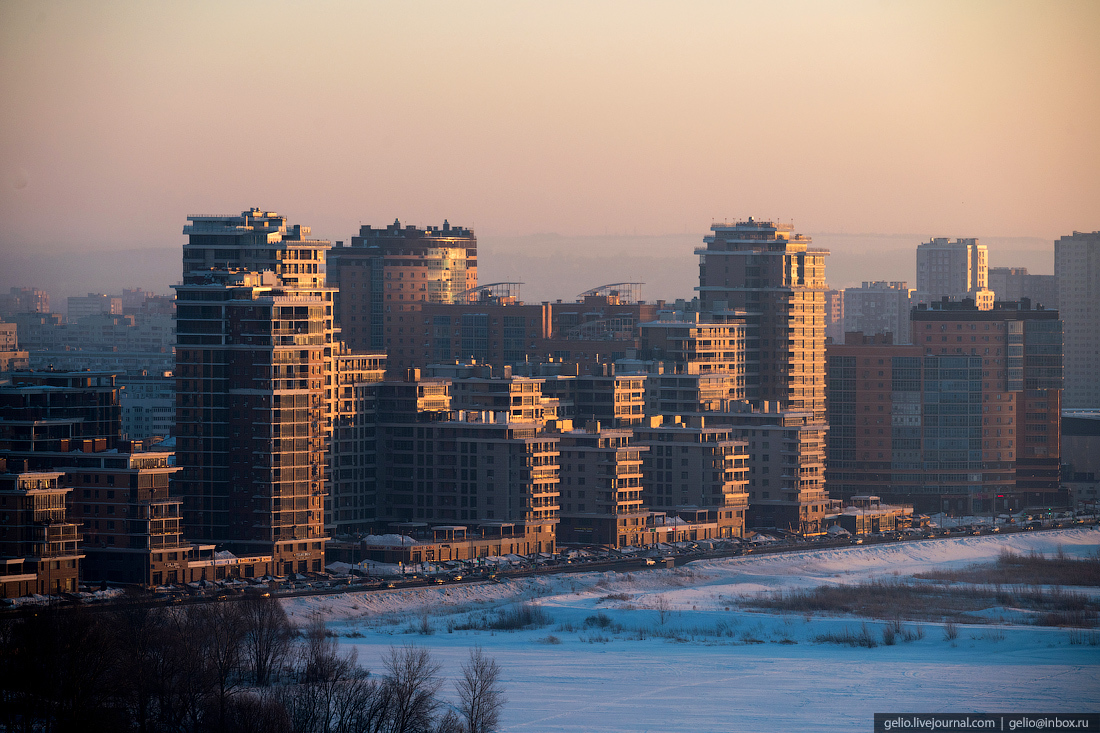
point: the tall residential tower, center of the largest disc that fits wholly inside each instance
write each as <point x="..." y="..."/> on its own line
<point x="954" y="270"/>
<point x="775" y="278"/>
<point x="388" y="274"/>
<point x="1077" y="270"/>
<point x="254" y="335"/>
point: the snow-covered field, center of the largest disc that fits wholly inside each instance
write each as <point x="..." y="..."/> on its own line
<point x="674" y="651"/>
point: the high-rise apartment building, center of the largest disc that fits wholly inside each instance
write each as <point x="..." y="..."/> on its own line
<point x="834" y="315"/>
<point x="24" y="300"/>
<point x="964" y="420"/>
<point x="953" y="270"/>
<point x="387" y="274"/>
<point x="1021" y="350"/>
<point x="1015" y="283"/>
<point x="878" y="307"/>
<point x="254" y="333"/>
<point x="778" y="281"/>
<point x="351" y="499"/>
<point x="1077" y="270"/>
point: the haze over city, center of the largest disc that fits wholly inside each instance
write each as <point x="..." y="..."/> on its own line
<point x="614" y="127"/>
<point x="580" y="366"/>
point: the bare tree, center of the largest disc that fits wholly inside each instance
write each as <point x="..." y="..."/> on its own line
<point x="333" y="694"/>
<point x="480" y="694"/>
<point x="267" y="634"/>
<point x="414" y="682"/>
<point x="204" y="657"/>
<point x="663" y="608"/>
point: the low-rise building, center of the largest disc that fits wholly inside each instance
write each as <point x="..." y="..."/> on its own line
<point x="693" y="466"/>
<point x="38" y="541"/>
<point x="867" y="515"/>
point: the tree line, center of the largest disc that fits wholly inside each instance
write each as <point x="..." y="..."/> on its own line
<point x="224" y="667"/>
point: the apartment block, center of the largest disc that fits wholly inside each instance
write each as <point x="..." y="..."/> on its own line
<point x="131" y="526"/>
<point x="499" y="331"/>
<point x="351" y="499"/>
<point x="474" y="387"/>
<point x="878" y="307"/>
<point x="254" y="332"/>
<point x="1081" y="457"/>
<point x="46" y="413"/>
<point x="38" y="540"/>
<point x="393" y="271"/>
<point x="607" y="312"/>
<point x="486" y="478"/>
<point x="697" y="471"/>
<point x="772" y="275"/>
<point x="148" y="403"/>
<point x="11" y="357"/>
<point x="1021" y="349"/>
<point x="672" y="394"/>
<point x="92" y="304"/>
<point x="964" y="420"/>
<point x="834" y="315"/>
<point x="601" y="473"/>
<point x="614" y="400"/>
<point x="954" y="270"/>
<point x="1077" y="271"/>
<point x="24" y="300"/>
<point x="1015" y="284"/>
<point x="697" y="346"/>
<point x="786" y="452"/>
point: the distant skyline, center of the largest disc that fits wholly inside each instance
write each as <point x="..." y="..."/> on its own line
<point x="550" y="266"/>
<point x="582" y="119"/>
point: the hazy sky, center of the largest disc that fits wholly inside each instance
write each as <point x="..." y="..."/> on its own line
<point x="117" y="119"/>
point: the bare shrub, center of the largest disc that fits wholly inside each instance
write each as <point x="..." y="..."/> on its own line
<point x="525" y="616"/>
<point x="615" y="597"/>
<point x="1078" y="636"/>
<point x="950" y="631"/>
<point x="513" y="618"/>
<point x="847" y="637"/>
<point x="889" y="636"/>
<point x="1012" y="568"/>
